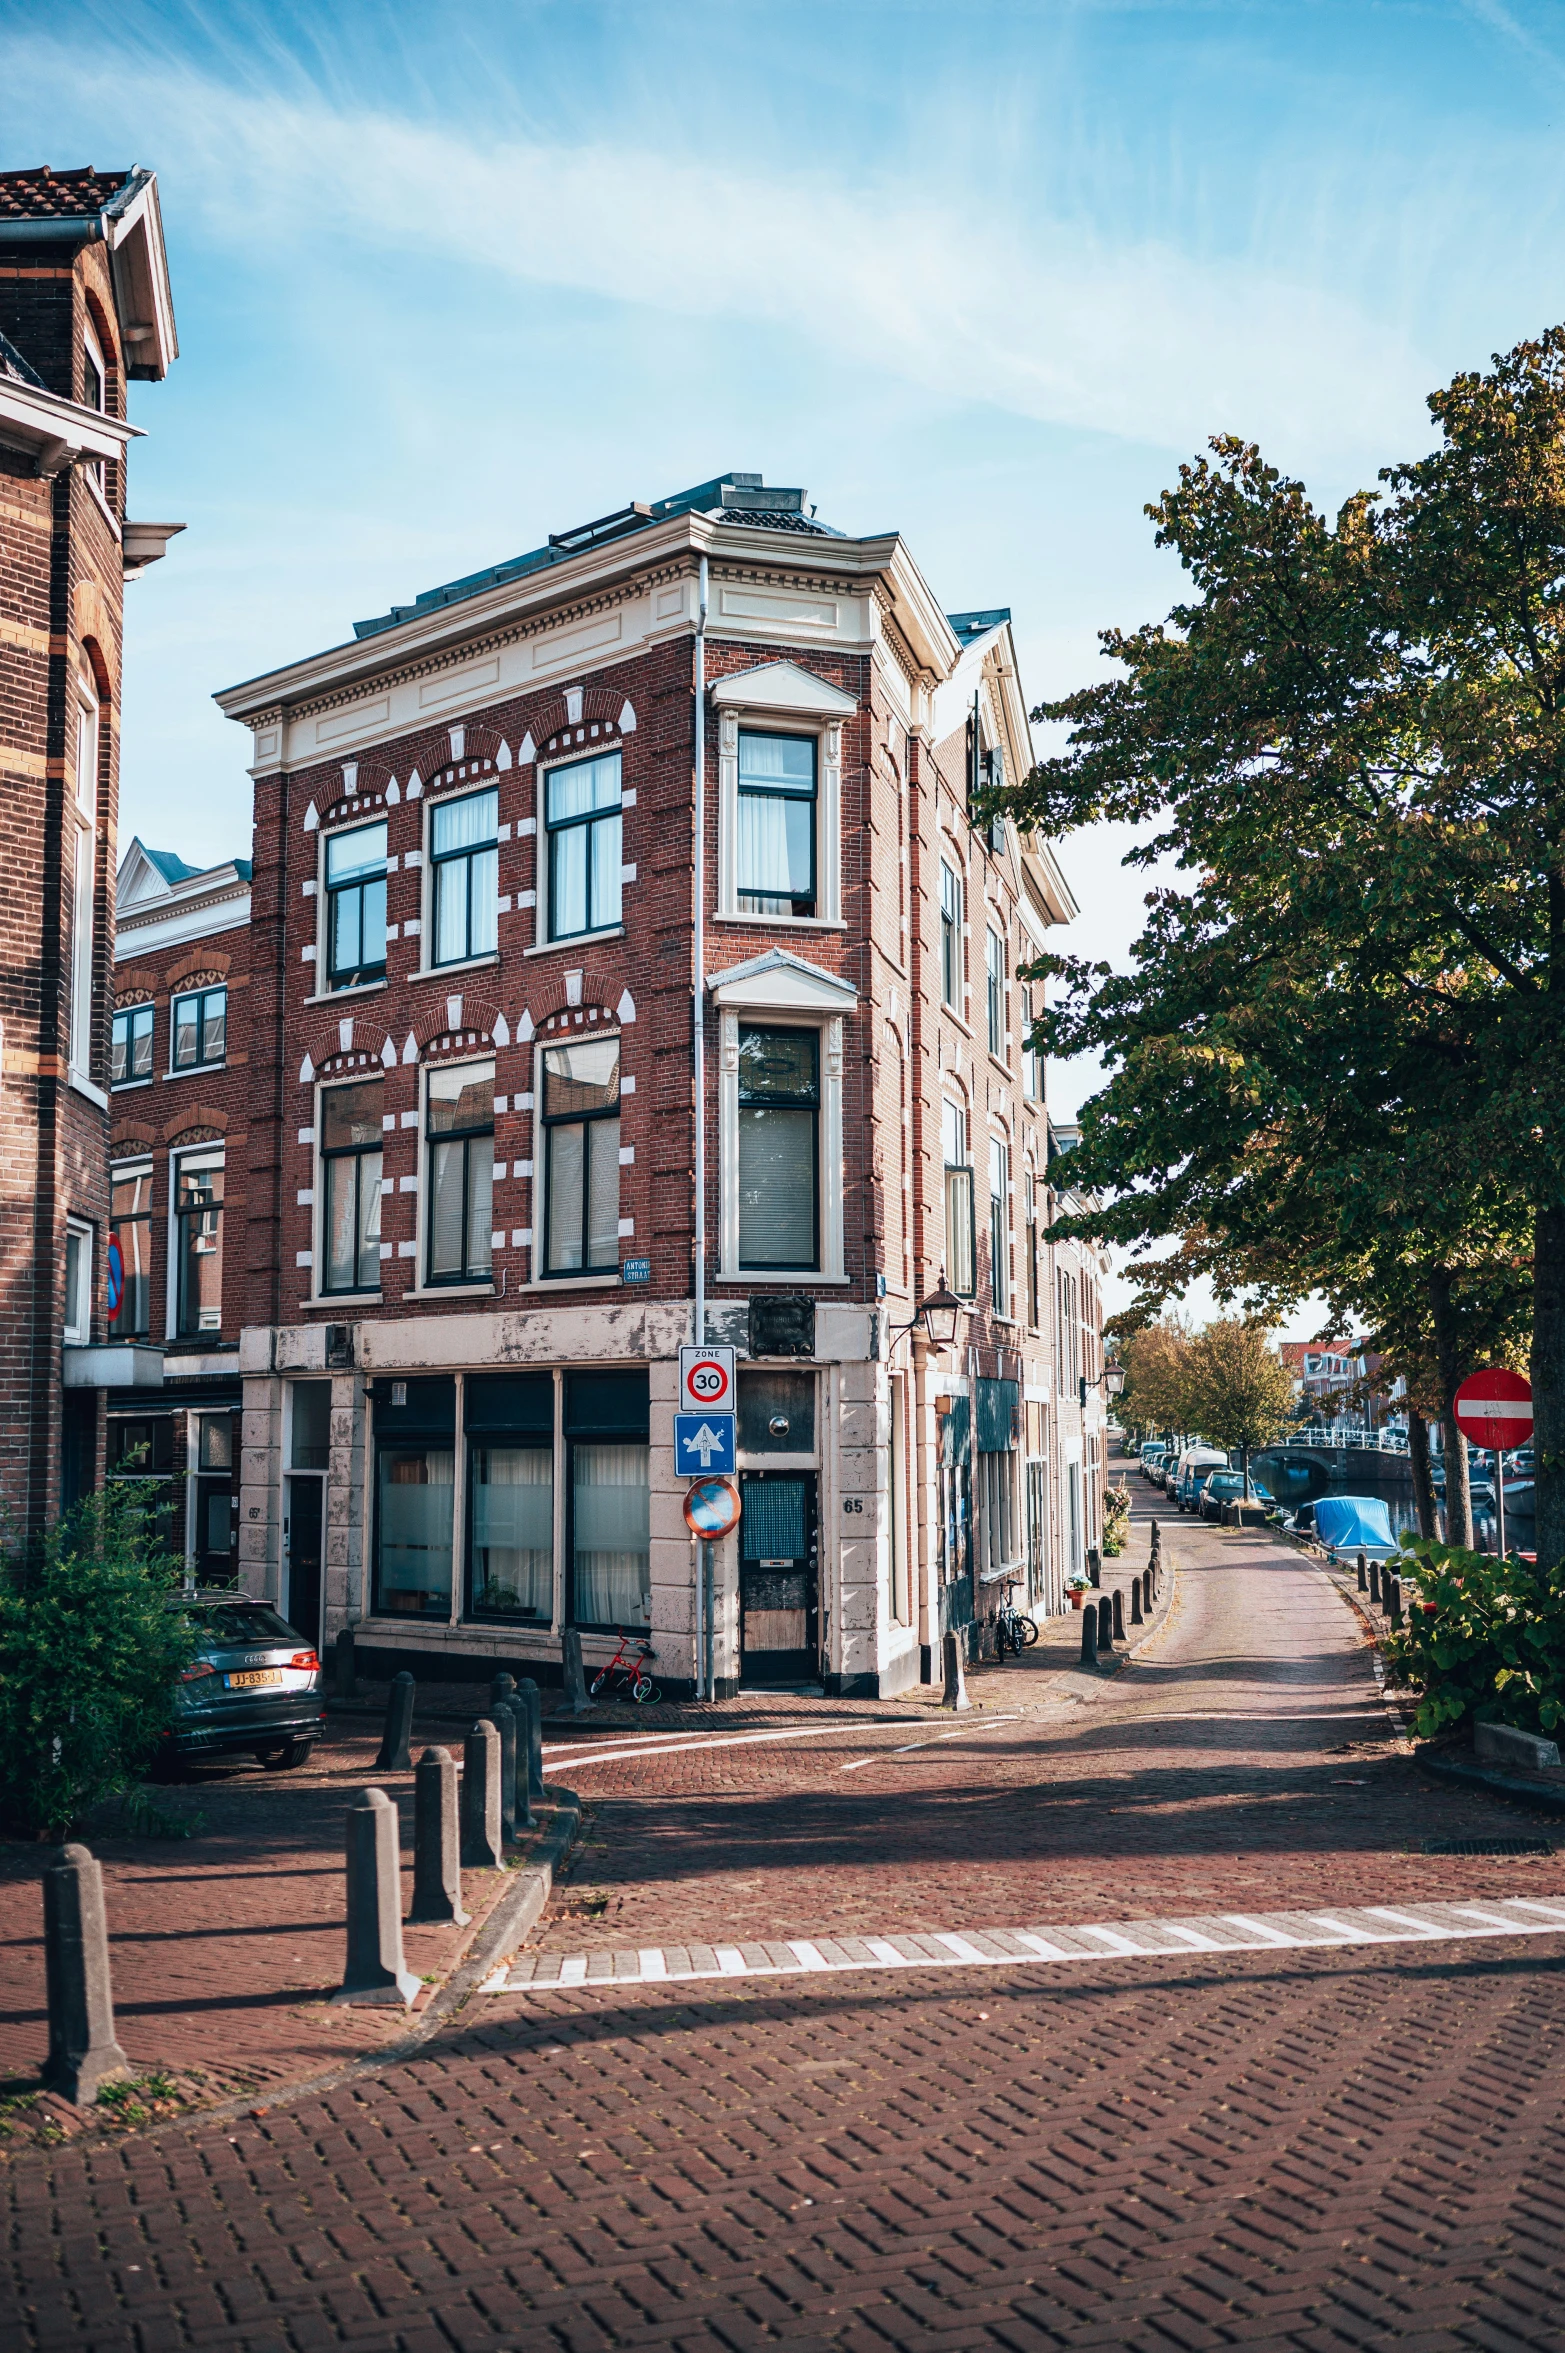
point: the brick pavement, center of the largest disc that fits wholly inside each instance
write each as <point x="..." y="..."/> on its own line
<point x="1302" y="2149"/>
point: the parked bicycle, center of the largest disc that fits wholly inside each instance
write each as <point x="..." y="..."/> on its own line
<point x="1012" y="1630"/>
<point x="628" y="1670"/>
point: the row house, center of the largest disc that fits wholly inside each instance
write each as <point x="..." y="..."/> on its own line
<point x="626" y="967"/>
<point x="178" y="1090"/>
<point x="85" y="309"/>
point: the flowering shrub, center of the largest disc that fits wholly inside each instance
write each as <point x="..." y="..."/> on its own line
<point x="1116" y="1520"/>
<point x="1481" y="1638"/>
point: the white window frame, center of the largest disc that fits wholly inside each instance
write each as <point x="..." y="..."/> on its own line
<point x="782" y="989"/>
<point x="76" y="1317"/>
<point x="84" y="879"/>
<point x="782" y="699"/>
<point x="574" y="757"/>
<point x="199" y="1156"/>
<point x="486" y="780"/>
<point x="121" y="1172"/>
<point x="319" y="1295"/>
<point x="478" y="1286"/>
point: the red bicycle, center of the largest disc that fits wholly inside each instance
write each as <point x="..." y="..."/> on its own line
<point x="629" y="1671"/>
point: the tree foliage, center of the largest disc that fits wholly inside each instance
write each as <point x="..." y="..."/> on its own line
<point x="1240" y="1391"/>
<point x="1155" y="1360"/>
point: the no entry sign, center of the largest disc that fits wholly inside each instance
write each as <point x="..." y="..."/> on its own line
<point x="1495" y="1409"/>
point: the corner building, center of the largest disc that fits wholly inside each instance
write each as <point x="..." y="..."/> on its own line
<point x="482" y="920"/>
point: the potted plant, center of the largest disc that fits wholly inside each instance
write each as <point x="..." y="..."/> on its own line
<point x="1077" y="1587"/>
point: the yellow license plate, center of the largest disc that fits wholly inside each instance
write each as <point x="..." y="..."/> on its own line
<point x="249" y="1681"/>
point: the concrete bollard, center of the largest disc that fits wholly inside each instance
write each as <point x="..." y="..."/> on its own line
<point x="1118" y="1605"/>
<point x="1363" y="1576"/>
<point x="437" y="1874"/>
<point x="955" y="1693"/>
<point x="1105" y="1624"/>
<point x="376" y="1970"/>
<point x="1089" y="1634"/>
<point x="1391" y="1591"/>
<point x="530" y="1698"/>
<point x="396" y="1755"/>
<point x="481" y="1847"/>
<point x="83" y="2052"/>
<point x="503" y="1717"/>
<point x="1146" y="1596"/>
<point x="501" y="1686"/>
<point x="1374" y="1580"/>
<point x="344" y="1662"/>
<point x="575" y="1674"/>
<point x="1137" y="1614"/>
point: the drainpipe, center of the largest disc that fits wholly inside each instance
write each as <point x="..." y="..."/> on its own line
<point x="705" y="1611"/>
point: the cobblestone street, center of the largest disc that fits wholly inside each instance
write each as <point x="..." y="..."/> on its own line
<point x="1294" y="2146"/>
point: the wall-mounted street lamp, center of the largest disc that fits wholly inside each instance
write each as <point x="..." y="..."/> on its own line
<point x="937" y="1314"/>
<point x="1112" y="1379"/>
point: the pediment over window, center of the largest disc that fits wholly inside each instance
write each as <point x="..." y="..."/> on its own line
<point x="783" y="686"/>
<point x="778" y="979"/>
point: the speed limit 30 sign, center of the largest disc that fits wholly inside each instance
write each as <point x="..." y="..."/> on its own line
<point x="706" y="1380"/>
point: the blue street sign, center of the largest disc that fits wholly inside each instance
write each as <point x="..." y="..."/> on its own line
<point x="635" y="1270"/>
<point x="703" y="1442"/>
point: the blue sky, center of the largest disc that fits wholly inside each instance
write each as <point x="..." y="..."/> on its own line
<point x="983" y="270"/>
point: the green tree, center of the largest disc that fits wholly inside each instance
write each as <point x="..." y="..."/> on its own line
<point x="1353" y="739"/>
<point x="90" y="1649"/>
<point x="1156" y="1362"/>
<point x="1241" y="1392"/>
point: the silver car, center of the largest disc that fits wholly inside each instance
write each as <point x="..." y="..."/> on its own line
<point x="254" y="1687"/>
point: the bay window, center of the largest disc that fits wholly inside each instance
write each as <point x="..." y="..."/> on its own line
<point x="459" y="1130"/>
<point x="779" y="1148"/>
<point x="465" y="856"/>
<point x="583" y="825"/>
<point x="777" y="824"/>
<point x="356" y="906"/>
<point x="351" y="1166"/>
<point x="581" y="1127"/>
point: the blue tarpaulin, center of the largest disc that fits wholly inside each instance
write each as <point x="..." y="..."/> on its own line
<point x="1347" y="1521"/>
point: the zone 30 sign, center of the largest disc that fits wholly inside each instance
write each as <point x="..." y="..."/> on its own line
<point x="706" y="1380"/>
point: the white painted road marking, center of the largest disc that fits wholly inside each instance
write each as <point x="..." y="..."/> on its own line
<point x="1033" y="1949"/>
<point x="960" y="1733"/>
<point x="636" y="1745"/>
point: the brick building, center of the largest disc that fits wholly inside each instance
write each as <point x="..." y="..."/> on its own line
<point x="84" y="307"/>
<point x="487" y="1194"/>
<point x="178" y="1071"/>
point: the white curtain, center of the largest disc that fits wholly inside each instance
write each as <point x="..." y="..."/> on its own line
<point x="512" y="1503"/>
<point x="612" y="1525"/>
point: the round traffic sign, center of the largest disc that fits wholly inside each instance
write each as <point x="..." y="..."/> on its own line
<point x="712" y="1507"/>
<point x="1494" y="1409"/>
<point x="114" y="1278"/>
<point x="707" y="1381"/>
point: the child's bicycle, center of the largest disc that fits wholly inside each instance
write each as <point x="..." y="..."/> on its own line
<point x="629" y="1671"/>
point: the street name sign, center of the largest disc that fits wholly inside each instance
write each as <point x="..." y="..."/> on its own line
<point x="1494" y="1409"/>
<point x="712" y="1508"/>
<point x="706" y="1380"/>
<point x="703" y="1442"/>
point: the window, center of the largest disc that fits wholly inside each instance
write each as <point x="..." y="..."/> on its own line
<point x="510" y="1496"/>
<point x="950" y="936"/>
<point x="463" y="837"/>
<point x="460" y="1128"/>
<point x="95" y="391"/>
<point x="582" y="819"/>
<point x="581" y="1156"/>
<point x="606" y="1429"/>
<point x="198" y="1217"/>
<point x="776" y="842"/>
<point x="131" y="1203"/>
<point x="779" y="1153"/>
<point x="1032" y="1061"/>
<point x="131" y="1052"/>
<point x="78" y="1282"/>
<point x="961" y="1246"/>
<point x="200" y="1026"/>
<point x="356" y="906"/>
<point x="310" y="1433"/>
<point x="415" y="1494"/>
<point x="1030" y="1204"/>
<point x="999" y="1227"/>
<point x="84" y="877"/>
<point x="351" y="1180"/>
<point x="994" y="980"/>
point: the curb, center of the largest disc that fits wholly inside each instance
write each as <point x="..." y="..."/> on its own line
<point x="1121" y="1658"/>
<point x="1530" y="1793"/>
<point x="518" y="1911"/>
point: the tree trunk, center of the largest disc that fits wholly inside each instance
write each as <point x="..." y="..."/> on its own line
<point x="1548" y="1383"/>
<point x="1244" y="1453"/>
<point x="1423" y="1480"/>
<point x="1458" y="1495"/>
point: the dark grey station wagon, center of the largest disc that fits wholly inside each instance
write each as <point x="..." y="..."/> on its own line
<point x="253" y="1688"/>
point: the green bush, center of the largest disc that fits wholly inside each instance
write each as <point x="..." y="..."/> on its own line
<point x="1482" y="1639"/>
<point x="89" y="1655"/>
<point x="1116" y="1521"/>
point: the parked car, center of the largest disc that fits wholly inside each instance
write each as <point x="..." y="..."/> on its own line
<point x="1186" y="1490"/>
<point x="1228" y="1487"/>
<point x="254" y="1687"/>
<point x="1152" y="1459"/>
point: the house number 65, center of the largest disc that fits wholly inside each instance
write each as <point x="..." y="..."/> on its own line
<point x="852" y="1503"/>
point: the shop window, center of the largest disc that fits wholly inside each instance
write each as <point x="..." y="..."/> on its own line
<point x="510" y="1497"/>
<point x="351" y="1164"/>
<point x="581" y="1156"/>
<point x="198" y="1217"/>
<point x="356" y="906"/>
<point x="130" y="1053"/>
<point x="606" y="1428"/>
<point x="131" y="1203"/>
<point x="777" y="824"/>
<point x="465" y="857"/>
<point x="200" y="1026"/>
<point x="961" y="1246"/>
<point x="459" y="1203"/>
<point x="777" y="1412"/>
<point x="779" y="1148"/>
<point x="582" y="823"/>
<point x="415" y="1495"/>
<point x="310" y="1425"/>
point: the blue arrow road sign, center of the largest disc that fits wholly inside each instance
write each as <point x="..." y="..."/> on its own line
<point x="703" y="1442"/>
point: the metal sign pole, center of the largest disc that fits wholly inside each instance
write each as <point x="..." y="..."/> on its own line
<point x="1499" y="1500"/>
<point x="707" y="1616"/>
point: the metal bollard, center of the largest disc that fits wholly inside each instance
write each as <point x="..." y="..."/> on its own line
<point x="529" y="1697"/>
<point x="1146" y="1595"/>
<point x="1089" y="1634"/>
<point x="1391" y="1593"/>
<point x="1118" y="1606"/>
<point x="344" y="1662"/>
<point x="1137" y="1615"/>
<point x="503" y="1717"/>
<point x="396" y="1755"/>
<point x="1374" y="1580"/>
<point x="377" y="1970"/>
<point x="437" y="1874"/>
<point x="955" y="1693"/>
<point x="1094" y="1565"/>
<point x="1363" y="1577"/>
<point x="83" y="2052"/>
<point x="481" y="1847"/>
<point x="575" y="1673"/>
